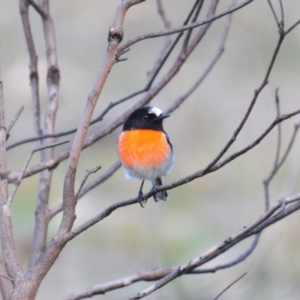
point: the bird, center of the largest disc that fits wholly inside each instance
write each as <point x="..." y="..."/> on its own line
<point x="145" y="149"/>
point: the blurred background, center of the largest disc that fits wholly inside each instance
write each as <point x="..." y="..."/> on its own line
<point x="199" y="215"/>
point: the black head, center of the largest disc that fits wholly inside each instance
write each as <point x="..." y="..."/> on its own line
<point x="147" y="117"/>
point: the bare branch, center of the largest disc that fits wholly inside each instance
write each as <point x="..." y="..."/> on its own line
<point x="170" y="273"/>
<point x="183" y="28"/>
<point x="165" y="275"/>
<point x="103" y="288"/>
<point x="279" y="163"/>
<point x="194" y="19"/>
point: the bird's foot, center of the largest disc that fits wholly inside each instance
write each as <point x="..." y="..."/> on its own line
<point x="141" y="199"/>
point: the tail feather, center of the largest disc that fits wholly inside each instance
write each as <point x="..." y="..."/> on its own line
<point x="159" y="196"/>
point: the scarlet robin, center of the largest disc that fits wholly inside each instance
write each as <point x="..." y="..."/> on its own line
<point x="145" y="150"/>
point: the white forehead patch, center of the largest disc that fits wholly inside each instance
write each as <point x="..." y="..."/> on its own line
<point x="154" y="110"/>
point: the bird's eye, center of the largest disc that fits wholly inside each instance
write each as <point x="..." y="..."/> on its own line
<point x="146" y="117"/>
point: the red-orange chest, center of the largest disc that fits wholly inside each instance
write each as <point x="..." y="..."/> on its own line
<point x="143" y="148"/>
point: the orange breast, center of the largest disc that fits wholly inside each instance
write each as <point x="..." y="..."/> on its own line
<point x="143" y="148"/>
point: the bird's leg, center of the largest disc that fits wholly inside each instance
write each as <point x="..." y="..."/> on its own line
<point x="141" y="195"/>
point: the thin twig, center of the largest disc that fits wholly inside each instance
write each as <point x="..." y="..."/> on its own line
<point x="230" y="285"/>
<point x="274" y="13"/>
<point x="33" y="150"/>
<point x="266" y="182"/>
<point x="168" y="41"/>
<point x="292" y="27"/>
<point x="88" y="173"/>
<point x="282" y="14"/>
<point x="194" y="19"/>
<point x="103" y="177"/>
<point x="278" y="162"/>
<point x="6" y="277"/>
<point x="13" y="121"/>
<point x="183" y="28"/>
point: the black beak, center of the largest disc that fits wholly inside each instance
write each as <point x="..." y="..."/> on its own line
<point x="163" y="116"/>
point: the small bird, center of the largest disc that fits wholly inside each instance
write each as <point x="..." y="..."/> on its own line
<point x="145" y="150"/>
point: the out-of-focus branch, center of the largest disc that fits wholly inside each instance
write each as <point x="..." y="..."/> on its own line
<point x="33" y="67"/>
<point x="53" y="77"/>
<point x="10" y="259"/>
